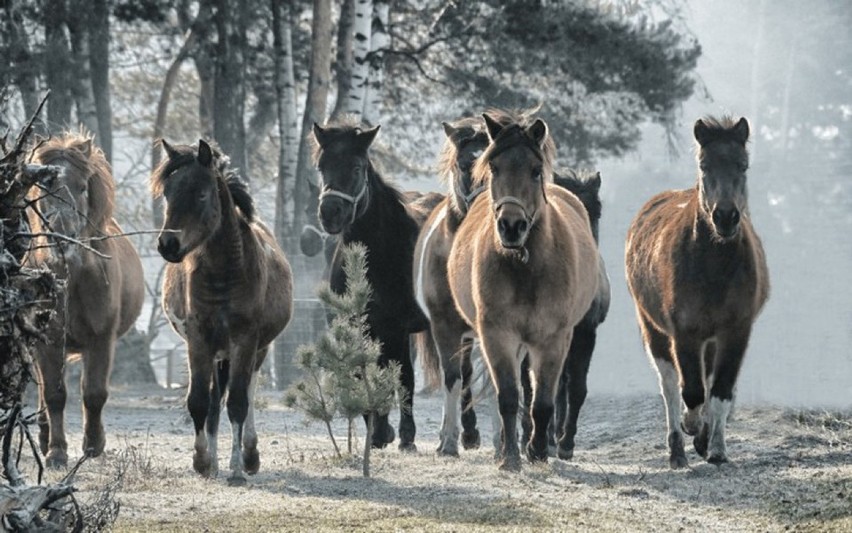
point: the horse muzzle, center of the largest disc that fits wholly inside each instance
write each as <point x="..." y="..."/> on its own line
<point x="335" y="215"/>
<point x="169" y="247"/>
<point x="513" y="231"/>
<point x="726" y="222"/>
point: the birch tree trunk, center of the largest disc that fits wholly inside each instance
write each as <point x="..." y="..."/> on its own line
<point x="206" y="68"/>
<point x="378" y="44"/>
<point x="315" y="105"/>
<point x="285" y="86"/>
<point x="361" y="48"/>
<point x="57" y="64"/>
<point x="229" y="87"/>
<point x="343" y="61"/>
<point x="99" y="39"/>
<point x="81" y="81"/>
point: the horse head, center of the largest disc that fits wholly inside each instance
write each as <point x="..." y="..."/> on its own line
<point x="341" y="156"/>
<point x="517" y="164"/>
<point x="78" y="201"/>
<point x="188" y="182"/>
<point x="722" y="166"/>
<point x="466" y="141"/>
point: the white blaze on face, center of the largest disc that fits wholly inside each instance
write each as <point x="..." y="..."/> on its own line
<point x="418" y="283"/>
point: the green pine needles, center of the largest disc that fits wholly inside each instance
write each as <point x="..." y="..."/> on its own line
<point x="341" y="374"/>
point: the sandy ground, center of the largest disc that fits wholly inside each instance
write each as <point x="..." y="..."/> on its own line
<point x="790" y="470"/>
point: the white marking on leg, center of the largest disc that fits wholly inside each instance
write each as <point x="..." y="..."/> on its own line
<point x="451" y="419"/>
<point x="420" y="297"/>
<point x="717" y="417"/>
<point x="236" y="451"/>
<point x="249" y="433"/>
<point x="670" y="388"/>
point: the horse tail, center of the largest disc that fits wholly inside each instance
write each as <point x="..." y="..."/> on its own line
<point x="430" y="360"/>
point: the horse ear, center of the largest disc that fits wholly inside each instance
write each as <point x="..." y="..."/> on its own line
<point x="171" y="153"/>
<point x="366" y="138"/>
<point x="538" y="131"/>
<point x="319" y="134"/>
<point x="205" y="154"/>
<point x="741" y="130"/>
<point x="596" y="182"/>
<point x="494" y="128"/>
<point x="701" y="132"/>
<point x="86" y="147"/>
<point x="448" y="129"/>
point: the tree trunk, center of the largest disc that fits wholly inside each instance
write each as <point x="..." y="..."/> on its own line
<point x="343" y="62"/>
<point x="81" y="83"/>
<point x="57" y="64"/>
<point x="285" y="87"/>
<point x="206" y="68"/>
<point x="24" y="66"/>
<point x="99" y="63"/>
<point x="315" y="106"/>
<point x="361" y="48"/>
<point x="378" y="43"/>
<point x="229" y="87"/>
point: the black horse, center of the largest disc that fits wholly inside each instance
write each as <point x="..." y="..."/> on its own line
<point x="358" y="205"/>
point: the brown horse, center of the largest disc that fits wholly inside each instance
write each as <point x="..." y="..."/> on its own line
<point x="523" y="270"/>
<point x="227" y="290"/>
<point x="698" y="275"/>
<point x="104" y="291"/>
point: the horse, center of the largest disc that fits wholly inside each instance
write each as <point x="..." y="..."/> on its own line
<point x="697" y="273"/>
<point x="104" y="287"/>
<point x="358" y="205"/>
<point x="227" y="291"/>
<point x="523" y="271"/>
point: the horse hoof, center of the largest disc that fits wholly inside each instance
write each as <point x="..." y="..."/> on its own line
<point x="510" y="464"/>
<point x="94" y="447"/>
<point x="700" y="442"/>
<point x="717" y="460"/>
<point x="237" y="481"/>
<point x="676" y="462"/>
<point x="409" y="447"/>
<point x="566" y="454"/>
<point x="536" y="455"/>
<point x="471" y="440"/>
<point x="448" y="451"/>
<point x="203" y="466"/>
<point x="56" y="460"/>
<point x="251" y="461"/>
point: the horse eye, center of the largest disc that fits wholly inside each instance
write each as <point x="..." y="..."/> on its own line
<point x="536" y="175"/>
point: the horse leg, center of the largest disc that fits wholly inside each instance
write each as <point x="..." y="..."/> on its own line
<point x="546" y="361"/>
<point x="658" y="346"/>
<point x="688" y="350"/>
<point x="470" y="435"/>
<point x="407" y="428"/>
<point x="242" y="373"/>
<point x="503" y="364"/>
<point x="692" y="418"/>
<point x="52" y="395"/>
<point x="94" y="386"/>
<point x="251" y="457"/>
<point x="447" y="336"/>
<point x="729" y="356"/>
<point x="526" y="388"/>
<point x="201" y="402"/>
<point x="577" y="369"/>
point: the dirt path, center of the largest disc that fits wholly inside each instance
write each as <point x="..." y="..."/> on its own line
<point x="790" y="471"/>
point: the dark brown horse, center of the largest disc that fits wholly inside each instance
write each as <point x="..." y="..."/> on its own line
<point x="358" y="205"/>
<point x="227" y="290"/>
<point x="697" y="272"/>
<point x="104" y="291"/>
<point x="523" y="271"/>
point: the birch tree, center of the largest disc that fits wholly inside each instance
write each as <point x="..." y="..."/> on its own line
<point x="379" y="41"/>
<point x="99" y="39"/>
<point x="343" y="60"/>
<point x="362" y="32"/>
<point x="57" y="63"/>
<point x="229" y="88"/>
<point x="315" y="105"/>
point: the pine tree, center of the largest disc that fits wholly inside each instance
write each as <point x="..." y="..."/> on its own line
<point x="341" y="373"/>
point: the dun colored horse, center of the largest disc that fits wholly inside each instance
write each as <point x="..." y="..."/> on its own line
<point x="227" y="290"/>
<point x="523" y="271"/>
<point x="697" y="272"/>
<point x="358" y="205"/>
<point x="104" y="291"/>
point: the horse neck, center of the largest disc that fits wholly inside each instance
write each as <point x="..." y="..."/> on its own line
<point x="222" y="256"/>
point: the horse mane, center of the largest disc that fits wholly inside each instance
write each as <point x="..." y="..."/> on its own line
<point x="80" y="151"/>
<point x="186" y="154"/>
<point x="723" y="123"/>
<point x="514" y="122"/>
<point x="586" y="185"/>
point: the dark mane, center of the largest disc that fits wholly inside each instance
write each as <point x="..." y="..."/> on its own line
<point x="724" y="123"/>
<point x="586" y="184"/>
<point x="467" y="128"/>
<point x="186" y="154"/>
<point x="80" y="151"/>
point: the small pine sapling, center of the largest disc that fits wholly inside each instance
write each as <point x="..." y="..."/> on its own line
<point x="341" y="371"/>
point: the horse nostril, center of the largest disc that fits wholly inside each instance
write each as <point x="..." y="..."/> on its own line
<point x="521" y="227"/>
<point x="735" y="216"/>
<point x="503" y="225"/>
<point x="168" y="245"/>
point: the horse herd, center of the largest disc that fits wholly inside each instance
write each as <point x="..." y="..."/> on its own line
<point x="507" y="258"/>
